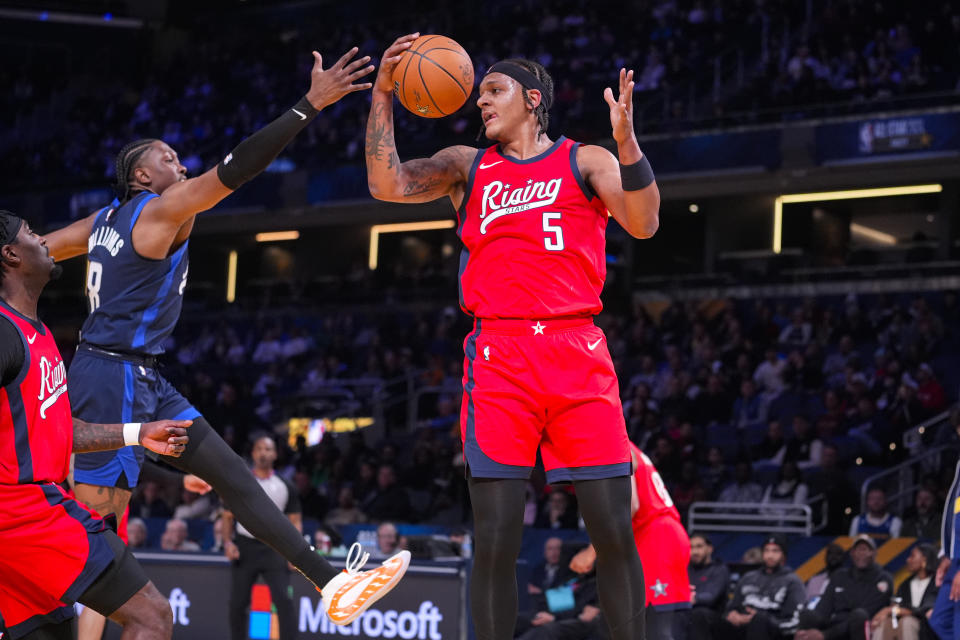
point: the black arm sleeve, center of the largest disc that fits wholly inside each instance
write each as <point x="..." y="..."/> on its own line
<point x="11" y="352"/>
<point x="255" y="154"/>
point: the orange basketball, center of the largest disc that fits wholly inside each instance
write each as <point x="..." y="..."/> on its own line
<point x="434" y="77"/>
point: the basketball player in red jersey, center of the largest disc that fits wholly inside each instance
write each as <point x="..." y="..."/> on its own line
<point x="663" y="545"/>
<point x="55" y="550"/>
<point x="532" y="214"/>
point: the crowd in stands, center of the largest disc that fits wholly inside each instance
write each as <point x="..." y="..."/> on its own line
<point x="202" y="84"/>
<point x="740" y="402"/>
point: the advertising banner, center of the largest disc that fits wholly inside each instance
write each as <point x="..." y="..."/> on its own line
<point x="428" y="604"/>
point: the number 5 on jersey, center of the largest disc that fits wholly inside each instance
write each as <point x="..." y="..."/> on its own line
<point x="554" y="243"/>
<point x="94" y="278"/>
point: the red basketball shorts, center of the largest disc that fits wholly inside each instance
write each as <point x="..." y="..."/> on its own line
<point x="51" y="551"/>
<point x="664" y="550"/>
<point x="546" y="384"/>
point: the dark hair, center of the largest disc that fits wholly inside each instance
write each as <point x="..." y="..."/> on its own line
<point x="929" y="556"/>
<point x="702" y="536"/>
<point x="541" y="74"/>
<point x="126" y="161"/>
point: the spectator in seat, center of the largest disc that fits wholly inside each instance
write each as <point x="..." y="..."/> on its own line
<point x="769" y="374"/>
<point x="175" y="537"/>
<point x="765" y="601"/>
<point x="929" y="391"/>
<point x="557" y="512"/>
<point x="805" y="448"/>
<point x="743" y="488"/>
<point x="830" y="479"/>
<point x="575" y="615"/>
<point x="749" y="408"/>
<point x="924" y="522"/>
<point x="551" y="573"/>
<point x="877" y="521"/>
<point x="709" y="582"/>
<point x="136" y="533"/>
<point x="789" y="487"/>
<point x="834" y="559"/>
<point x="853" y="596"/>
<point x="916" y="595"/>
<point x="389" y="501"/>
<point x="388" y="540"/>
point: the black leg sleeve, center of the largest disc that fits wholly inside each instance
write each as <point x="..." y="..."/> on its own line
<point x="209" y="457"/>
<point x="498" y="525"/>
<point x="605" y="505"/>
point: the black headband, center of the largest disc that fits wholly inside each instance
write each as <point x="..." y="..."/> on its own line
<point x="10" y="224"/>
<point x="526" y="79"/>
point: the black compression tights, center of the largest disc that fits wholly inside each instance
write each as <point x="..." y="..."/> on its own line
<point x="498" y="522"/>
<point x="209" y="457"/>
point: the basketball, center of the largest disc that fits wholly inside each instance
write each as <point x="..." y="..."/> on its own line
<point x="434" y="78"/>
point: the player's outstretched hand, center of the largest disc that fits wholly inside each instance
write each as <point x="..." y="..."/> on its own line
<point x="621" y="109"/>
<point x="166" y="437"/>
<point x="329" y="85"/>
<point x="390" y="60"/>
<point x="196" y="484"/>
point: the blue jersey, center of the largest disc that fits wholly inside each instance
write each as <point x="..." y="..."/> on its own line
<point x="950" y="540"/>
<point x="134" y="302"/>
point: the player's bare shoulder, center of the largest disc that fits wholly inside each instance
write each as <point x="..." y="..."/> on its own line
<point x="592" y="158"/>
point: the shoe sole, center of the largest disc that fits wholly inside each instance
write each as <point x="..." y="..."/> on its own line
<point x="398" y="564"/>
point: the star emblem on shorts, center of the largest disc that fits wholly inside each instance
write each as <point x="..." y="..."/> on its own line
<point x="660" y="589"/>
<point x="537" y="328"/>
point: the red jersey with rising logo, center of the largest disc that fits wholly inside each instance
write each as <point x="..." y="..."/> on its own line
<point x="533" y="235"/>
<point x="36" y="429"/>
<point x="655" y="500"/>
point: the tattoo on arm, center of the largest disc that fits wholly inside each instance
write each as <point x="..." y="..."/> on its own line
<point x="96" y="437"/>
<point x="416" y="187"/>
<point x="379" y="141"/>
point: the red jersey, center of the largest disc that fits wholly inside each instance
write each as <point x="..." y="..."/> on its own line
<point x="36" y="429"/>
<point x="655" y="500"/>
<point x="534" y="237"/>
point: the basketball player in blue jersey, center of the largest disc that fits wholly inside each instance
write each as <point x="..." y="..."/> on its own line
<point x="137" y="273"/>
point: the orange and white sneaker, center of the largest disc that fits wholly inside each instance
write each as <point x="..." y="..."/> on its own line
<point x="352" y="591"/>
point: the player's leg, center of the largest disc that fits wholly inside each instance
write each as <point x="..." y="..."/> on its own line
<point x="58" y="631"/>
<point x="103" y="390"/>
<point x="243" y="575"/>
<point x="209" y="457"/>
<point x="659" y="624"/>
<point x="124" y="594"/>
<point x="500" y="428"/>
<point x="585" y="442"/>
<point x="605" y="506"/>
<point x="498" y="532"/>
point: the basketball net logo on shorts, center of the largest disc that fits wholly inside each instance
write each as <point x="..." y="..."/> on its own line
<point x="499" y="200"/>
<point x="53" y="384"/>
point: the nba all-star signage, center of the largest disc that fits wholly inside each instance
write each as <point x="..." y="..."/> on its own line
<point x="428" y="604"/>
<point x="936" y="133"/>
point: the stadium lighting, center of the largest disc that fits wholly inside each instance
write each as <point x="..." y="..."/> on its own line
<point x="277" y="236"/>
<point x="873" y="234"/>
<point x="400" y="227"/>
<point x="852" y="194"/>
<point x="232" y="277"/>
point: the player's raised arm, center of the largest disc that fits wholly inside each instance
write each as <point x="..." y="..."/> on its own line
<point x="189" y="197"/>
<point x="71" y="241"/>
<point x="420" y="180"/>
<point x="627" y="187"/>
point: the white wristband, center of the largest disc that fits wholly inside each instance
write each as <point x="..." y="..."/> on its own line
<point x="131" y="433"/>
